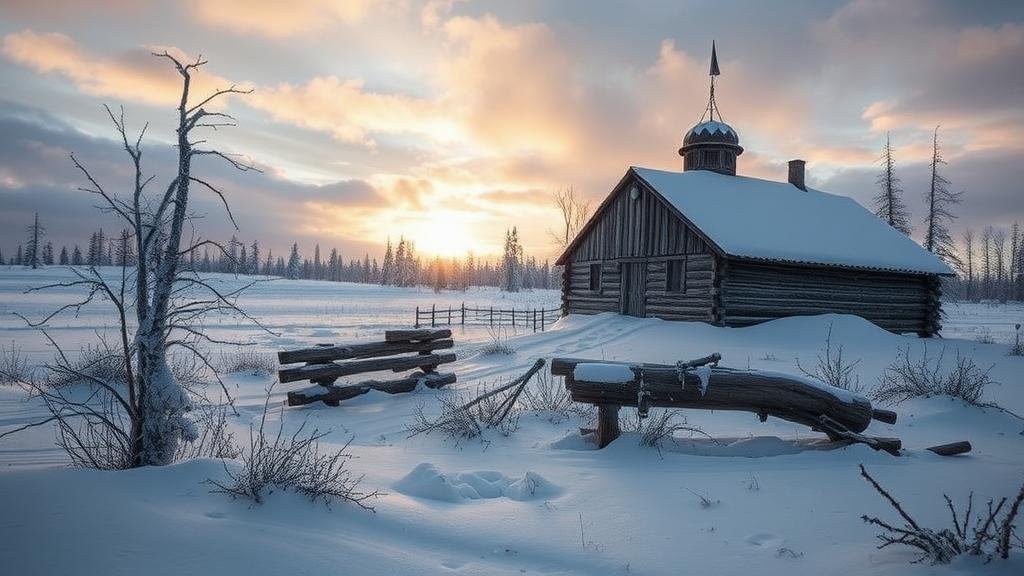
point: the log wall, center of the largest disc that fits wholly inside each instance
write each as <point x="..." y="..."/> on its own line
<point x="751" y="293"/>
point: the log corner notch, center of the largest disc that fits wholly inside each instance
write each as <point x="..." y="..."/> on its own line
<point x="842" y="417"/>
<point x="326" y="363"/>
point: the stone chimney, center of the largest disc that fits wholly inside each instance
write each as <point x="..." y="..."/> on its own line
<point x="796" y="174"/>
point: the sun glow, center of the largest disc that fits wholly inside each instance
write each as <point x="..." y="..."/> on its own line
<point x="444" y="233"/>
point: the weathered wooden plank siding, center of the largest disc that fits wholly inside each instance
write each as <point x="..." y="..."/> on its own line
<point x="692" y="304"/>
<point x="639" y="228"/>
<point x="580" y="299"/>
<point x="752" y="293"/>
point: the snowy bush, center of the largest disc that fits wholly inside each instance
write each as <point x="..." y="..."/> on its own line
<point x="908" y="378"/>
<point x="547" y="396"/>
<point x="94" y="362"/>
<point x="14" y="367"/>
<point x="990" y="535"/>
<point x="292" y="462"/>
<point x="248" y="361"/>
<point x="833" y="369"/>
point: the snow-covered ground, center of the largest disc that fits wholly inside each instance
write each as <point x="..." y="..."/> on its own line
<point x="539" y="501"/>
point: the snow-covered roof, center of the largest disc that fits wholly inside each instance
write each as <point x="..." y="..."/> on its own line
<point x="776" y="221"/>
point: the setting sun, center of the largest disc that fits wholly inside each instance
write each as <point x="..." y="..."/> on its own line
<point x="444" y="233"/>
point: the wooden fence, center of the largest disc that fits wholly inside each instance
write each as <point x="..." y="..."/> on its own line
<point x="534" y="318"/>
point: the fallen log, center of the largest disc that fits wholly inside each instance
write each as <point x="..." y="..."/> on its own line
<point x="332" y="395"/>
<point x="326" y="372"/>
<point x="790" y="398"/>
<point x="323" y="354"/>
<point x="952" y="449"/>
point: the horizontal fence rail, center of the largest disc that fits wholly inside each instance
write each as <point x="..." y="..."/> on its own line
<point x="535" y="318"/>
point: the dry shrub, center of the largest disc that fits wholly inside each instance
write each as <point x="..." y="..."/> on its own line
<point x="461" y="422"/>
<point x="498" y="344"/>
<point x="989" y="535"/>
<point x="547" y="396"/>
<point x="833" y="369"/>
<point x="293" y="462"/>
<point x="94" y="361"/>
<point x="14" y="368"/>
<point x="659" y="425"/>
<point x="214" y="440"/>
<point x="924" y="377"/>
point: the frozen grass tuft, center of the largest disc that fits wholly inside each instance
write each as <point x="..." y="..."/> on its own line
<point x="498" y="343"/>
<point x="924" y="377"/>
<point x="214" y="440"/>
<point x="247" y="361"/>
<point x="463" y="417"/>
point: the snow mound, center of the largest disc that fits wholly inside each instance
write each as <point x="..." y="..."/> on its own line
<point x="426" y="481"/>
<point x="603" y="373"/>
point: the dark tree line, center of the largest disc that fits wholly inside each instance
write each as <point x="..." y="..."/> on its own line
<point x="992" y="265"/>
<point x="402" y="265"/>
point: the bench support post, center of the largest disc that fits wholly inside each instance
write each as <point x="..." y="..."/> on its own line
<point x="607" y="424"/>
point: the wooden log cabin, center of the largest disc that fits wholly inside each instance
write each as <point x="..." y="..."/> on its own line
<point x="707" y="245"/>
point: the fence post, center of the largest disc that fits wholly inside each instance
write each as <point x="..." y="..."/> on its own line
<point x="416" y="324"/>
<point x="449" y="314"/>
<point x="541" y="319"/>
<point x="534" y="319"/>
<point x="432" y="311"/>
<point x="513" y="316"/>
<point x="491" y="316"/>
<point x="463" y="313"/>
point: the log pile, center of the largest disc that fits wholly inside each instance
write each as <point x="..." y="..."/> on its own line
<point x="326" y="363"/>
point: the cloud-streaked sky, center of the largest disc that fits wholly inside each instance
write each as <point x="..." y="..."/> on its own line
<point x="448" y="121"/>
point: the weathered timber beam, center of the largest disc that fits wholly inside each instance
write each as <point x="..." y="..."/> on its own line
<point x="887" y="416"/>
<point x="368" y="350"/>
<point x="782" y="396"/>
<point x="417" y="335"/>
<point x="332" y="395"/>
<point x="952" y="449"/>
<point x="331" y="370"/>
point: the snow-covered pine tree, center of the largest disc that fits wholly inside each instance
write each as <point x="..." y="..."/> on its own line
<point x="48" y="254"/>
<point x="940" y="202"/>
<point x="63" y="258"/>
<point x="268" y="266"/>
<point x="33" y="249"/>
<point x="254" y="257"/>
<point x="400" y="262"/>
<point x="294" y="264"/>
<point x="511" y="264"/>
<point x="76" y="256"/>
<point x="889" y="205"/>
<point x="317" y="264"/>
<point x="387" y="270"/>
<point x="243" y="260"/>
<point x="18" y="257"/>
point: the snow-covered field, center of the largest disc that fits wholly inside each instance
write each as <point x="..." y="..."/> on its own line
<point x="538" y="501"/>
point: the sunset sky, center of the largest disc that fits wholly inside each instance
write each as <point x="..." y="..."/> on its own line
<point x="449" y="121"/>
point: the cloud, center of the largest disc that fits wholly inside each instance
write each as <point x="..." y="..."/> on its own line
<point x="131" y="75"/>
<point x="278" y="19"/>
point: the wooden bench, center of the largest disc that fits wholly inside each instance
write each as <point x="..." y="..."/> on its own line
<point x="841" y="416"/>
<point x="401" y="350"/>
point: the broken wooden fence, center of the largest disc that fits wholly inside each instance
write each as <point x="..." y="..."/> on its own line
<point x="326" y="363"/>
<point x="535" y="318"/>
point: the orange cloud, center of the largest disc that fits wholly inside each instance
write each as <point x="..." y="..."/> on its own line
<point x="278" y="19"/>
<point x="131" y="75"/>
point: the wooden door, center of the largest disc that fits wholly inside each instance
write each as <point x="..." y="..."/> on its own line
<point x="634" y="285"/>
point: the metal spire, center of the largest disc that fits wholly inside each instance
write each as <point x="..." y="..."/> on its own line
<point x="712" y="107"/>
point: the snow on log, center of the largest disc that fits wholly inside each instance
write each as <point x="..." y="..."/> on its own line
<point x="606" y="373"/>
<point x="784" y="396"/>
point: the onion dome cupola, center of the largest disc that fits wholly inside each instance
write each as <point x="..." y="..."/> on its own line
<point x="711" y="144"/>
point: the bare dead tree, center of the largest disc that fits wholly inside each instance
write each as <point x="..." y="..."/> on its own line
<point x="142" y="420"/>
<point x="574" y="211"/>
<point x="940" y="201"/>
<point x="967" y="264"/>
<point x="889" y="205"/>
